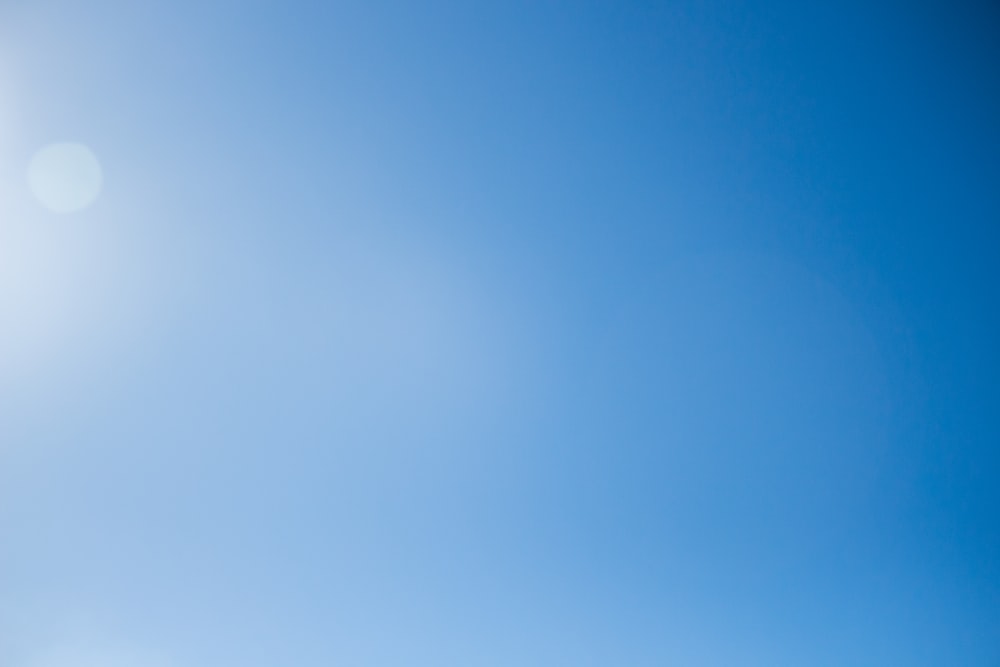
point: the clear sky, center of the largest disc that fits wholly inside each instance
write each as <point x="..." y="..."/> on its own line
<point x="499" y="333"/>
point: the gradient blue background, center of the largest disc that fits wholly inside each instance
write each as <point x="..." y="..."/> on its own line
<point x="512" y="333"/>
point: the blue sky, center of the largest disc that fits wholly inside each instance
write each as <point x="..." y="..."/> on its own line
<point x="521" y="333"/>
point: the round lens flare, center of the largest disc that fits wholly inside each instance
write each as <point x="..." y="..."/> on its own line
<point x="65" y="177"/>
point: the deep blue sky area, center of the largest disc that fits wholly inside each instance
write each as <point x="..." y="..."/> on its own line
<point x="499" y="333"/>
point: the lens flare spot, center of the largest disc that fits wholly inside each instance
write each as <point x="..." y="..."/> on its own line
<point x="65" y="177"/>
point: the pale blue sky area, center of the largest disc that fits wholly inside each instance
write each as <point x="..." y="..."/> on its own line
<point x="510" y="333"/>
